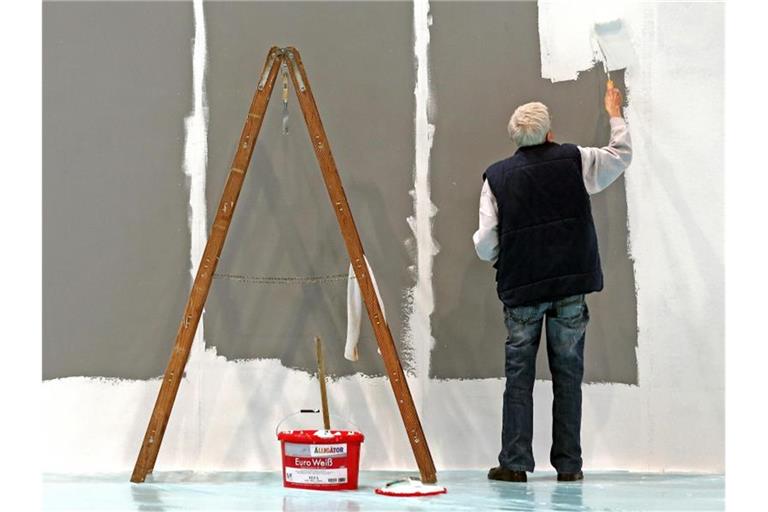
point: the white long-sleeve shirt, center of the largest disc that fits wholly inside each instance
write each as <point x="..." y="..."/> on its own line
<point x="599" y="167"/>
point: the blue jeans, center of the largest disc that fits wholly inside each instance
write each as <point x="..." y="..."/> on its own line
<point x="566" y="324"/>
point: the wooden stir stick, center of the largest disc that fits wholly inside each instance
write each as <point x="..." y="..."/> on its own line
<point x="321" y="378"/>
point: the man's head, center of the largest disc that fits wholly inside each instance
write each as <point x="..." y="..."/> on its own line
<point x="530" y="124"/>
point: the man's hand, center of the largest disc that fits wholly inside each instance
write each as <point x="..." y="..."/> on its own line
<point x="613" y="100"/>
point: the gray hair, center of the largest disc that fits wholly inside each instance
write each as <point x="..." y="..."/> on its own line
<point x="529" y="124"/>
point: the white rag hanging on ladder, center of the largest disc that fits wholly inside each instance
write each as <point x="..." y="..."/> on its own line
<point x="355" y="311"/>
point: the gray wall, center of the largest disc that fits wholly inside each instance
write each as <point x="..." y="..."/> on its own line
<point x="117" y="86"/>
<point x="362" y="80"/>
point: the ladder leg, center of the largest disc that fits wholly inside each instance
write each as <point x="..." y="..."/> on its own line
<point x="158" y="422"/>
<point x="338" y="198"/>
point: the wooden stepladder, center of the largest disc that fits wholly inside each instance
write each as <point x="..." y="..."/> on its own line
<point x="158" y="422"/>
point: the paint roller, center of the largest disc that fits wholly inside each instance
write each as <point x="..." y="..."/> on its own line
<point x="614" y="46"/>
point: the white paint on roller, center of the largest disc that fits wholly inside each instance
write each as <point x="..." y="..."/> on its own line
<point x="613" y="46"/>
<point x="418" y="328"/>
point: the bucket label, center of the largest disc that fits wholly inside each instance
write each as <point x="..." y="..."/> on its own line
<point x="315" y="450"/>
<point x="316" y="476"/>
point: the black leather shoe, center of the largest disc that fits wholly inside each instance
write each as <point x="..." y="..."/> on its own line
<point x="506" y="475"/>
<point x="570" y="477"/>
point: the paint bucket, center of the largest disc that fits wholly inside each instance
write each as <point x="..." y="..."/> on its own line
<point x="325" y="460"/>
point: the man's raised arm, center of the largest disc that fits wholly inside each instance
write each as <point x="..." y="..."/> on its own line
<point x="601" y="166"/>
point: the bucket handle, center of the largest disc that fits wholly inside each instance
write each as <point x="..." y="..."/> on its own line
<point x="309" y="411"/>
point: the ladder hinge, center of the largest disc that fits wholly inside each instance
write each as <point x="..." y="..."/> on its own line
<point x="268" y="68"/>
<point x="296" y="71"/>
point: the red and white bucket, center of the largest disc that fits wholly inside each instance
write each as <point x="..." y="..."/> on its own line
<point x="326" y="460"/>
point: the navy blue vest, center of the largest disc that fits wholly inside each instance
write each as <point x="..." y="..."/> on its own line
<point x="548" y="244"/>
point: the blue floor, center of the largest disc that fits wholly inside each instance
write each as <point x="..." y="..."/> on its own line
<point x="467" y="490"/>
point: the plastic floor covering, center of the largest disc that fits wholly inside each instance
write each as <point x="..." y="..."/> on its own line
<point x="467" y="490"/>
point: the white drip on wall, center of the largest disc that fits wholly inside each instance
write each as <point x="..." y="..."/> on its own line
<point x="418" y="330"/>
<point x="195" y="167"/>
<point x="196" y="156"/>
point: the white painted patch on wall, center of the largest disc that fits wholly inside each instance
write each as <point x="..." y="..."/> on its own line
<point x="99" y="423"/>
<point x="675" y="203"/>
<point x="418" y="328"/>
<point x="195" y="167"/>
<point x="568" y="48"/>
<point x="196" y="158"/>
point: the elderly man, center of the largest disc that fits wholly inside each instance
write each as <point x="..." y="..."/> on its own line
<point x="536" y="227"/>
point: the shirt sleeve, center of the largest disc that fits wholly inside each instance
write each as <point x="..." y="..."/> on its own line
<point x="601" y="166"/>
<point x="486" y="238"/>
